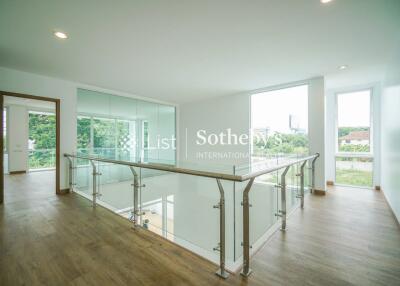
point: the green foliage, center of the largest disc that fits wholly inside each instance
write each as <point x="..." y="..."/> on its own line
<point x="354" y="177"/>
<point x="109" y="135"/>
<point x="42" y="130"/>
<point x="83" y="132"/>
<point x="354" y="148"/>
<point x="279" y="143"/>
<point x="343" y="131"/>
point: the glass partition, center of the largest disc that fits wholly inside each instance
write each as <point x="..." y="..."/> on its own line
<point x="121" y="127"/>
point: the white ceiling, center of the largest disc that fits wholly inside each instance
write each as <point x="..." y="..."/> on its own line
<point x="185" y="50"/>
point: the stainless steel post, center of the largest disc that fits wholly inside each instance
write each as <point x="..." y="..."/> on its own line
<point x="94" y="173"/>
<point x="135" y="196"/>
<point x="302" y="184"/>
<point x="70" y="174"/>
<point x="283" y="198"/>
<point x="313" y="173"/>
<point x="221" y="206"/>
<point x="246" y="271"/>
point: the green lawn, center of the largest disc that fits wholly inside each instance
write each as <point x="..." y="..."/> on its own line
<point x="354" y="177"/>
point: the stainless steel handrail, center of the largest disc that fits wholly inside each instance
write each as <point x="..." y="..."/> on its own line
<point x="173" y="169"/>
<point x="250" y="177"/>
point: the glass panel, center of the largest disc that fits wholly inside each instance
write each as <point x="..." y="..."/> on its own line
<point x="354" y="127"/>
<point x="181" y="208"/>
<point x="121" y="127"/>
<point x="83" y="132"/>
<point x="5" y="142"/>
<point x="148" y="114"/>
<point x="166" y="132"/>
<point x="115" y="188"/>
<point x="126" y="139"/>
<point x="354" y="171"/>
<point x="83" y="178"/>
<point x="104" y="138"/>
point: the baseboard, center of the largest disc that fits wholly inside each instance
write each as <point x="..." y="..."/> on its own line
<point x="390" y="208"/>
<point x="319" y="192"/>
<point x="16" y="172"/>
<point x="330" y="183"/>
<point x="63" y="191"/>
<point x="377" y="188"/>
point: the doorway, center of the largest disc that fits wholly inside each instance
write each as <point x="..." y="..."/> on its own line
<point x="30" y="142"/>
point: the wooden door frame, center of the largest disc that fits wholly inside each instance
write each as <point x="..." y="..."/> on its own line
<point x="28" y="96"/>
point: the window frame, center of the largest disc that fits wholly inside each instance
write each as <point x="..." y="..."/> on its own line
<point x="371" y="131"/>
<point x="370" y="154"/>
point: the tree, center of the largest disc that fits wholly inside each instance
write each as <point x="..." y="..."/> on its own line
<point x="279" y="143"/>
<point x="42" y="131"/>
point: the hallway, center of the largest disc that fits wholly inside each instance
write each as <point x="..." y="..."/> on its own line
<point x="347" y="237"/>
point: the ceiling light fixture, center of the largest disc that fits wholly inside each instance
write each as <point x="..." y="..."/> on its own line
<point x="325" y="1"/>
<point x="60" y="35"/>
<point x="343" y="67"/>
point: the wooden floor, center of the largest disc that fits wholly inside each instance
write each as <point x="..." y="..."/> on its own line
<point x="348" y="237"/>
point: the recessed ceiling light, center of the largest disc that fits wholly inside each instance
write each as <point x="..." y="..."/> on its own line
<point x="60" y="35"/>
<point x="343" y="67"/>
<point x="325" y="1"/>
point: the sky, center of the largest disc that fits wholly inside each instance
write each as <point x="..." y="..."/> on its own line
<point x="272" y="109"/>
<point x="354" y="109"/>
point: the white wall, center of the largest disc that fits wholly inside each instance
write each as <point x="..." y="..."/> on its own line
<point x="390" y="139"/>
<point x="217" y="114"/>
<point x="17" y="138"/>
<point x="27" y="83"/>
<point x="33" y="84"/>
<point x="213" y="115"/>
<point x="316" y="127"/>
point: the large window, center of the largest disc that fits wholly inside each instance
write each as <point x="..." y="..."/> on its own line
<point x="279" y="122"/>
<point x="354" y="159"/>
<point x="124" y="128"/>
<point x="107" y="137"/>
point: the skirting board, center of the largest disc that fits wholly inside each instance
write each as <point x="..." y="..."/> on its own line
<point x="391" y="209"/>
<point x="17" y="172"/>
<point x="63" y="191"/>
<point x="319" y="193"/>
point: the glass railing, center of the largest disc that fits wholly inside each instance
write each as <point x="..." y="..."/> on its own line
<point x="223" y="213"/>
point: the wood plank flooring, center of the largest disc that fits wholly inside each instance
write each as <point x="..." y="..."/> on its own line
<point x="348" y="237"/>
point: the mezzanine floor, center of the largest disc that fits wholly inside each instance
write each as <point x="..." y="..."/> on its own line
<point x="348" y="237"/>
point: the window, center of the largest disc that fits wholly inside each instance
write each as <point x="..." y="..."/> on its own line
<point x="104" y="141"/>
<point x="279" y="122"/>
<point x="5" y="149"/>
<point x="120" y="127"/>
<point x="353" y="122"/>
<point x="279" y="126"/>
<point x="83" y="133"/>
<point x="145" y="142"/>
<point x="354" y="156"/>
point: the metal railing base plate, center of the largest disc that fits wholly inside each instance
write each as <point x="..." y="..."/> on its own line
<point x="246" y="274"/>
<point x="222" y="274"/>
